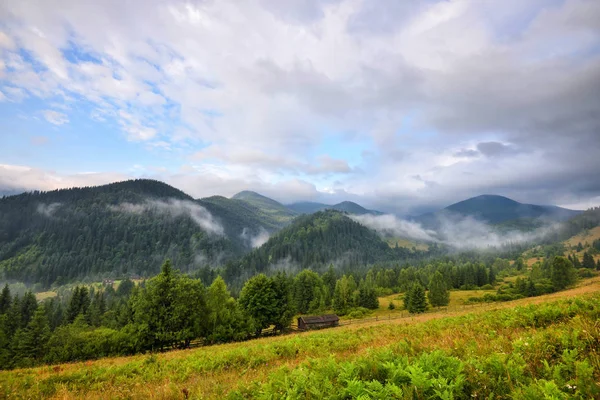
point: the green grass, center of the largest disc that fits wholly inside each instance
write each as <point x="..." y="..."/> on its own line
<point x="531" y="348"/>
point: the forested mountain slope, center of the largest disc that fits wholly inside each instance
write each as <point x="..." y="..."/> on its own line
<point x="118" y="229"/>
<point x="269" y="209"/>
<point x="314" y="241"/>
<point x="499" y="210"/>
<point x="350" y="207"/>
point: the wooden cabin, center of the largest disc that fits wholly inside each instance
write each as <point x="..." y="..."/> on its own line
<point x="318" y="321"/>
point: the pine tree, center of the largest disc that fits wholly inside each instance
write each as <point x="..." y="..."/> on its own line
<point x="329" y="280"/>
<point x="519" y="264"/>
<point x="531" y="290"/>
<point x="438" y="293"/>
<point x="30" y="343"/>
<point x="417" y="300"/>
<point x="588" y="261"/>
<point x="28" y="306"/>
<point x="5" y="300"/>
<point x="562" y="273"/>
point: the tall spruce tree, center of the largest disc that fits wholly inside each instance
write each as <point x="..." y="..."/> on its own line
<point x="417" y="301"/>
<point x="438" y="294"/>
<point x="562" y="273"/>
<point x="5" y="300"/>
<point x="588" y="261"/>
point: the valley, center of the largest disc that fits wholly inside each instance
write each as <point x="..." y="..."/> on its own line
<point x="140" y="269"/>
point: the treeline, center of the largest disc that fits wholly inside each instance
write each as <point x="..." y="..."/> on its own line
<point x="57" y="237"/>
<point x="313" y="241"/>
<point x="173" y="309"/>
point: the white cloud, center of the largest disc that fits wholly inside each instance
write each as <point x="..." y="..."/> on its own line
<point x="55" y="117"/>
<point x="175" y="208"/>
<point x="411" y="84"/>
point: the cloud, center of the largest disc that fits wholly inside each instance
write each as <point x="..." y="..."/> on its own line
<point x="392" y="225"/>
<point x="48" y="209"/>
<point x="256" y="240"/>
<point x="470" y="96"/>
<point x="494" y="149"/>
<point x="175" y="208"/>
<point x="55" y="117"/>
<point x="457" y="231"/>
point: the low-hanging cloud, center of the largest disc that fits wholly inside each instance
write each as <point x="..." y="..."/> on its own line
<point x="256" y="240"/>
<point x="461" y="232"/>
<point x="47" y="209"/>
<point x="175" y="208"/>
<point x="392" y="225"/>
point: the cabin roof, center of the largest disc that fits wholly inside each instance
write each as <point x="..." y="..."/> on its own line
<point x="319" y="319"/>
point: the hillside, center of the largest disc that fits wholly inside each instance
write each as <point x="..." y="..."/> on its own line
<point x="499" y="210"/>
<point x="306" y="207"/>
<point x="239" y="215"/>
<point x="519" y="349"/>
<point x="124" y="228"/>
<point x="314" y="241"/>
<point x="269" y="209"/>
<point x="345" y="206"/>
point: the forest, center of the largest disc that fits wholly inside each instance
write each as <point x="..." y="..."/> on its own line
<point x="174" y="310"/>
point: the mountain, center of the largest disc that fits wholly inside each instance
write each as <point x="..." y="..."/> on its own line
<point x="352" y="208"/>
<point x="239" y="215"/>
<point x="500" y="210"/>
<point x="306" y="207"/>
<point x="345" y="206"/>
<point x="314" y="241"/>
<point x="119" y="229"/>
<point x="270" y="209"/>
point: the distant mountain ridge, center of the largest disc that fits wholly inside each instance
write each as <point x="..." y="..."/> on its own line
<point x="496" y="209"/>
<point x="345" y="206"/>
<point x="268" y="207"/>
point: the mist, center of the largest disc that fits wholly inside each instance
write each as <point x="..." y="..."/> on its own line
<point x="47" y="209"/>
<point x="453" y="230"/>
<point x="257" y="240"/>
<point x="175" y="208"/>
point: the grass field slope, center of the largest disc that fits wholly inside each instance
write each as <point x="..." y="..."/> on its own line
<point x="535" y="348"/>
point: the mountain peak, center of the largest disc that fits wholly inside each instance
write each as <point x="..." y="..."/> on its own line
<point x="497" y="209"/>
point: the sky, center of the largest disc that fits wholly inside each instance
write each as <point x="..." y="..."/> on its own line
<point x="401" y="106"/>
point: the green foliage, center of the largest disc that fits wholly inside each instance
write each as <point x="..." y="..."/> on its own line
<point x="226" y="319"/>
<point x="562" y="273"/>
<point x="343" y="295"/>
<point x="59" y="236"/>
<point x="588" y="261"/>
<point x="5" y="300"/>
<point x="309" y="292"/>
<point x="312" y="241"/>
<point x="169" y="310"/>
<point x="258" y="298"/>
<point x="438" y="294"/>
<point x="417" y="302"/>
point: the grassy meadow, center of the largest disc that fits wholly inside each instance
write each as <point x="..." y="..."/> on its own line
<point x="540" y="347"/>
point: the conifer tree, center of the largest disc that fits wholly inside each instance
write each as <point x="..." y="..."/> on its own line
<point x="588" y="261"/>
<point x="5" y="300"/>
<point x="438" y="294"/>
<point x="562" y="273"/>
<point x="417" y="301"/>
